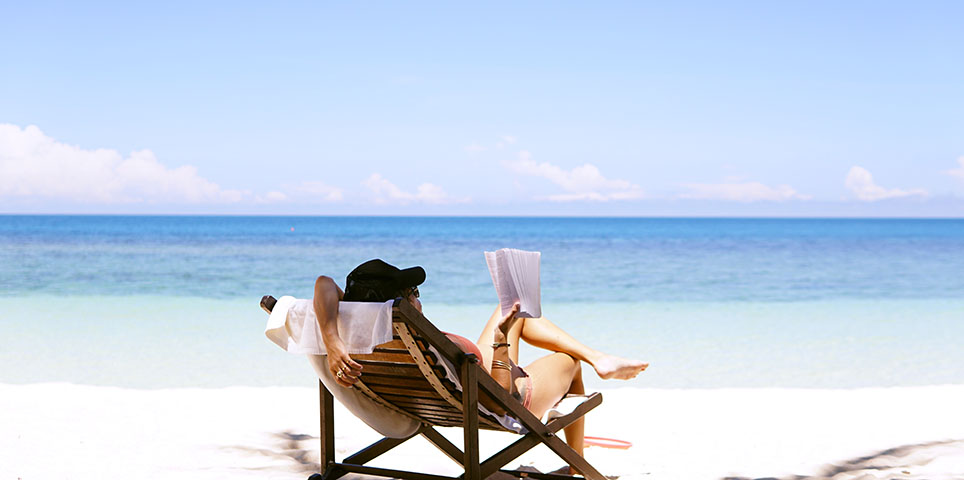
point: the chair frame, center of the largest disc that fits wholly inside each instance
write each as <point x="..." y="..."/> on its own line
<point x="474" y="380"/>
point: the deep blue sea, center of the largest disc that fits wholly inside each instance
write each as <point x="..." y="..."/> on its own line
<point x="167" y="301"/>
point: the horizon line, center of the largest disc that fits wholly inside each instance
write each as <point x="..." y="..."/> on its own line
<point x="652" y="217"/>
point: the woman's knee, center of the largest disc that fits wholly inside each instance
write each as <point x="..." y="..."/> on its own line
<point x="571" y="363"/>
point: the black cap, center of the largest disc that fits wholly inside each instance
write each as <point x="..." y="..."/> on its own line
<point x="377" y="281"/>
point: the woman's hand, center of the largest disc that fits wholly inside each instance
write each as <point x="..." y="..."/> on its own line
<point x="342" y="367"/>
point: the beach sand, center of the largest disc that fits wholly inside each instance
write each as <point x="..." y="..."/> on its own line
<point x="89" y="432"/>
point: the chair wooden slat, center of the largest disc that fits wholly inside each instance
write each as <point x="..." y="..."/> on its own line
<point x="433" y="417"/>
<point x="437" y="415"/>
<point x="384" y="357"/>
<point x="484" y="421"/>
<point x="378" y="399"/>
<point x="419" y="403"/>
<point x="402" y="382"/>
<point x="441" y="422"/>
<point x="393" y="356"/>
<point x="382" y="368"/>
<point x="411" y="392"/>
<point x="405" y="400"/>
<point x="395" y="344"/>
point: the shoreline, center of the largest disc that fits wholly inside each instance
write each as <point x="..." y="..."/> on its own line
<point x="79" y="431"/>
<point x="811" y="344"/>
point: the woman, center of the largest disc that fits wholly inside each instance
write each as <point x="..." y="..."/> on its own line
<point x="538" y="385"/>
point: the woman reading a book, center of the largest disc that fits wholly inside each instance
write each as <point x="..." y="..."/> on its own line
<point x="539" y="385"/>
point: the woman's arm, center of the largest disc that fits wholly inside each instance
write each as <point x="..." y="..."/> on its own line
<point x="325" y="302"/>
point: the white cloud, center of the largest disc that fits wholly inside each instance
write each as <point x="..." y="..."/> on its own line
<point x="959" y="171"/>
<point x="320" y="190"/>
<point x="37" y="166"/>
<point x="304" y="192"/>
<point x="271" y="197"/>
<point x="741" y="192"/>
<point x="386" y="192"/>
<point x="861" y="183"/>
<point x="506" y="140"/>
<point x="476" y="147"/>
<point x="578" y="197"/>
<point x="584" y="182"/>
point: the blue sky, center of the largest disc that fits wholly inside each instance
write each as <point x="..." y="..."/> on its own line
<point x="683" y="108"/>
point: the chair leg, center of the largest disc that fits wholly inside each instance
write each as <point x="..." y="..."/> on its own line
<point x="470" y="426"/>
<point x="327" y="431"/>
<point x="331" y="473"/>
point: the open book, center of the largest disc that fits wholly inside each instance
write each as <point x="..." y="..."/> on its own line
<point x="515" y="274"/>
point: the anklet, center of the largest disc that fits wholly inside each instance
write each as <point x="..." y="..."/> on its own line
<point x="497" y="345"/>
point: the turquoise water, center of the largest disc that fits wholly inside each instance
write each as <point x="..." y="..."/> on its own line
<point x="172" y="301"/>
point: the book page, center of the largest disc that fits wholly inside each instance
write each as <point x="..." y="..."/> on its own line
<point x="515" y="274"/>
<point x="500" y="278"/>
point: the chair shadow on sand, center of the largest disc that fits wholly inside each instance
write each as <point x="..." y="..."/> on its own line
<point x="903" y="462"/>
<point x="300" y="451"/>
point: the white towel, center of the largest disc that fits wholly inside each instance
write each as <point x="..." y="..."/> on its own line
<point x="564" y="407"/>
<point x="361" y="325"/>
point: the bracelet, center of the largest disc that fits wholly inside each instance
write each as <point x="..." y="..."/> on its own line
<point x="501" y="364"/>
<point x="497" y="345"/>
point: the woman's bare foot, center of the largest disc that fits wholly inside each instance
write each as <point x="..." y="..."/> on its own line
<point x="613" y="367"/>
<point x="507" y="321"/>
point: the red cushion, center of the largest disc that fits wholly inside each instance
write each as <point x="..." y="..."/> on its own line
<point x="467" y="346"/>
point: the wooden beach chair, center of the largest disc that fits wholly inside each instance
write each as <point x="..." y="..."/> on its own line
<point x="405" y="375"/>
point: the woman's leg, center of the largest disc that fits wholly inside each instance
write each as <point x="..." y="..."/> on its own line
<point x="512" y="337"/>
<point x="558" y="374"/>
<point x="542" y="333"/>
<point x="553" y="377"/>
<point x="575" y="432"/>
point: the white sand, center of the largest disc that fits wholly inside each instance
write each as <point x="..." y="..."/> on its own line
<point x="62" y="431"/>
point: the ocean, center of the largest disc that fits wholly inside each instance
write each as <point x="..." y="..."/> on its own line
<point x="172" y="301"/>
